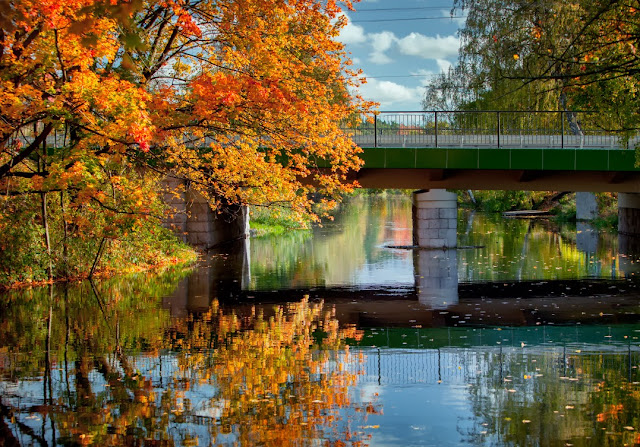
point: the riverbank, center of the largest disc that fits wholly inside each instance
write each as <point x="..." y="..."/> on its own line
<point x="153" y="250"/>
<point x="270" y="221"/>
<point x="558" y="206"/>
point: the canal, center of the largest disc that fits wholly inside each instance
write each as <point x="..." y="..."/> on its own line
<point x="527" y="334"/>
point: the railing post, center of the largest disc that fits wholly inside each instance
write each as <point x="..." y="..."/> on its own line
<point x="375" y="130"/>
<point x="436" y="127"/>
<point x="562" y="127"/>
<point x="498" y="113"/>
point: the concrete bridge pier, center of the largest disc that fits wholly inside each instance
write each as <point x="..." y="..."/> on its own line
<point x="629" y="214"/>
<point x="436" y="273"/>
<point x="435" y="219"/>
<point x="629" y="225"/>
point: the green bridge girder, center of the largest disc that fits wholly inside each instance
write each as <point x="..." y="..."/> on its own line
<point x="541" y="159"/>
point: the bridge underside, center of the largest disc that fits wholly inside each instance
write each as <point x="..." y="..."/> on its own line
<point x="499" y="179"/>
<point x="569" y="169"/>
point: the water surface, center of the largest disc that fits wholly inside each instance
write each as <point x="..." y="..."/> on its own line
<point x="527" y="335"/>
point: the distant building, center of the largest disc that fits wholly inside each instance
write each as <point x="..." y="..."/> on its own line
<point x="410" y="130"/>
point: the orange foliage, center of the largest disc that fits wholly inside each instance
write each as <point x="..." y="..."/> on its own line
<point x="241" y="98"/>
<point x="277" y="382"/>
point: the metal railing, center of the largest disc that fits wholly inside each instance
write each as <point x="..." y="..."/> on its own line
<point x="460" y="129"/>
<point x="488" y="129"/>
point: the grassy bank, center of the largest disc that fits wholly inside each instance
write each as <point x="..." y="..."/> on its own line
<point x="118" y="258"/>
<point x="269" y="221"/>
<point x="25" y="260"/>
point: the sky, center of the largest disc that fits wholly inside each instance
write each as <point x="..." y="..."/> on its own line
<point x="400" y="45"/>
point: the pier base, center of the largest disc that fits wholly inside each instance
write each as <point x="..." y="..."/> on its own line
<point x="435" y="219"/>
<point x="629" y="214"/>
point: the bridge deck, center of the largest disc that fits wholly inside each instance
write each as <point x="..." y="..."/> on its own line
<point x="495" y="150"/>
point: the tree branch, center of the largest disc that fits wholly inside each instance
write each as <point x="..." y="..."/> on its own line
<point x="4" y="169"/>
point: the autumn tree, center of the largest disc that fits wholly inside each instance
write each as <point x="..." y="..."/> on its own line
<point x="99" y="101"/>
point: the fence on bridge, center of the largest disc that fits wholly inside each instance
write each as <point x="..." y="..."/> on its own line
<point x="491" y="129"/>
<point x="495" y="129"/>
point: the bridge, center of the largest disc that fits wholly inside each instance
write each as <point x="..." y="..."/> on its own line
<point x="530" y="150"/>
<point x="490" y="150"/>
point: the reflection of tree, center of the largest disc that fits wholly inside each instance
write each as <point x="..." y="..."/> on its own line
<point x="523" y="249"/>
<point x="279" y="380"/>
<point x="554" y="399"/>
<point x="118" y="371"/>
<point x="337" y="250"/>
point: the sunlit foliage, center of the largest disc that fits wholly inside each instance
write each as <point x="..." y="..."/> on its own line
<point x="240" y="99"/>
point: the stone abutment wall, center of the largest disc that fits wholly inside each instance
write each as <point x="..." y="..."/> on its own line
<point x="192" y="219"/>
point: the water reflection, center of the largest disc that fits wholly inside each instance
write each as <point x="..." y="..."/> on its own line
<point x="76" y="368"/>
<point x="364" y="255"/>
<point x="109" y="366"/>
<point x="351" y="250"/>
<point x="436" y="280"/>
<point x="361" y="249"/>
<point x="525" y="335"/>
<point x="505" y="395"/>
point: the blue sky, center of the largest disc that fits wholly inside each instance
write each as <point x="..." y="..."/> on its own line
<point x="400" y="45"/>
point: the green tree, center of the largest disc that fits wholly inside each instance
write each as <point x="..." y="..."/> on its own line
<point x="548" y="54"/>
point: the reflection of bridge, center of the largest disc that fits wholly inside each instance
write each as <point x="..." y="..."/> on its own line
<point x="434" y="299"/>
<point x="496" y="363"/>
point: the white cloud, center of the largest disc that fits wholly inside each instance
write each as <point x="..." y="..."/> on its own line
<point x="391" y="95"/>
<point x="381" y="42"/>
<point x="351" y="34"/>
<point x="416" y="44"/>
<point x="379" y="58"/>
<point x="444" y="65"/>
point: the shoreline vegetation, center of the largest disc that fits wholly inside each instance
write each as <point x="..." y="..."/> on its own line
<point x="560" y="205"/>
<point x="184" y="259"/>
<point x="148" y="248"/>
<point x="267" y="221"/>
